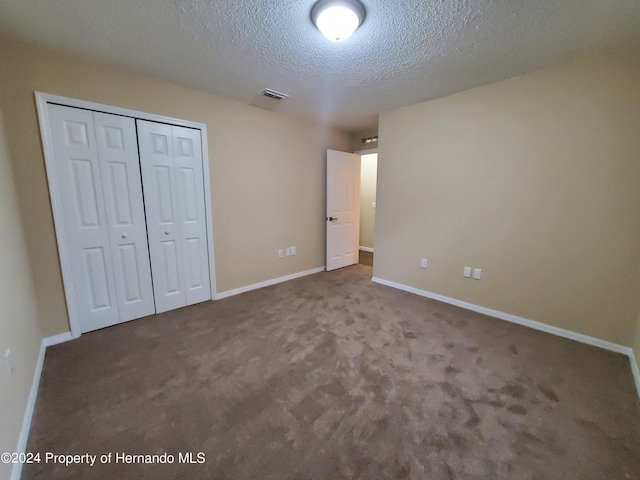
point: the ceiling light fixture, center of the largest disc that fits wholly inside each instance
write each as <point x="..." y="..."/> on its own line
<point x="337" y="19"/>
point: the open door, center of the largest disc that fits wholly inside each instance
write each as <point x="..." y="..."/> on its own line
<point x="343" y="209"/>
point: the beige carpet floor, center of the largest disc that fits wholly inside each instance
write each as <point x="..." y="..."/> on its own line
<point x="333" y="377"/>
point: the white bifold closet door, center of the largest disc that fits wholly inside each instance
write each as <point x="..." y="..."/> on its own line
<point x="99" y="186"/>
<point x="172" y="176"/>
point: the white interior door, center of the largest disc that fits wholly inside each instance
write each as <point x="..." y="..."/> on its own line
<point x="85" y="220"/>
<point x="187" y="148"/>
<point x="120" y="169"/>
<point x="172" y="175"/>
<point x="161" y="206"/>
<point x="343" y="209"/>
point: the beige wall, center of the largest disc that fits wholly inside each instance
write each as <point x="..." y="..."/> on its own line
<point x="536" y="180"/>
<point x="19" y="329"/>
<point x="267" y="169"/>
<point x="368" y="180"/>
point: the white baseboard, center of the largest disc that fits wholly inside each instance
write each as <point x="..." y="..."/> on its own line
<point x="634" y="370"/>
<point x="365" y="249"/>
<point x="561" y="332"/>
<point x="266" y="283"/>
<point x="56" y="339"/>
<point x="28" y="414"/>
<point x="33" y="395"/>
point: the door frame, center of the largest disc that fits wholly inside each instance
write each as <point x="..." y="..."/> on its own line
<point x="328" y="201"/>
<point x="42" y="101"/>
<point x="367" y="151"/>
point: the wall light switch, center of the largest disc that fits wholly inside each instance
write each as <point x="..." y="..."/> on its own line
<point x="477" y="273"/>
<point x="280" y="253"/>
<point x="373" y="204"/>
<point x="288" y="251"/>
<point x="423" y="263"/>
<point x="293" y="250"/>
<point x="467" y="272"/>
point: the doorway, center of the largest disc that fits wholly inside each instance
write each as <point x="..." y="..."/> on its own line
<point x="351" y="205"/>
<point x="368" y="186"/>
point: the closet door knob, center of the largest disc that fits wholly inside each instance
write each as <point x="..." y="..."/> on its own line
<point x="124" y="235"/>
<point x="167" y="232"/>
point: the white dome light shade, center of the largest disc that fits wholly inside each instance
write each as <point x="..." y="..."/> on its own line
<point x="337" y="19"/>
<point x="337" y="23"/>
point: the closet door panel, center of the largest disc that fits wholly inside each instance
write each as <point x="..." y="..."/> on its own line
<point x="120" y="168"/>
<point x="161" y="205"/>
<point x="85" y="220"/>
<point x="188" y="161"/>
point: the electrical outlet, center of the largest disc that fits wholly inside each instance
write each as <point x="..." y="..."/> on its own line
<point x="423" y="263"/>
<point x="8" y="358"/>
<point x="467" y="272"/>
<point x="280" y="253"/>
<point x="288" y="251"/>
<point x="293" y="250"/>
<point x="477" y="273"/>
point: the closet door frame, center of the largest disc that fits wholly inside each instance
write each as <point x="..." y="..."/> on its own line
<point x="42" y="102"/>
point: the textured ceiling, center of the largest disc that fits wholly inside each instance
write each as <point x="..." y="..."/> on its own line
<point x="406" y="50"/>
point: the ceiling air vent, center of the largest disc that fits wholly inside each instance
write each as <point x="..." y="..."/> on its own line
<point x="267" y="92"/>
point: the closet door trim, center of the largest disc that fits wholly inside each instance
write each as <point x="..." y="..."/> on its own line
<point x="42" y="102"/>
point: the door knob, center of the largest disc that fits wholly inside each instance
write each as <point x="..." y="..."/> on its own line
<point x="124" y="235"/>
<point x="332" y="219"/>
<point x="167" y="232"/>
